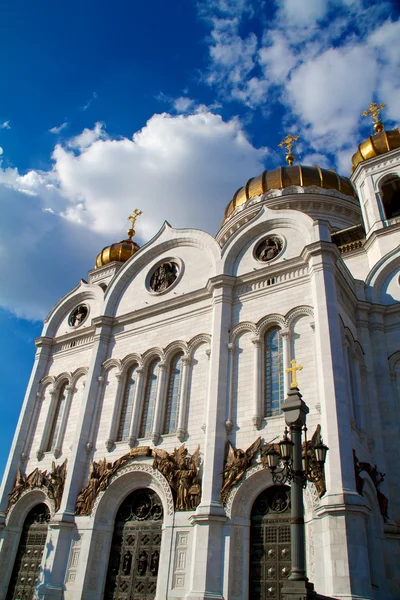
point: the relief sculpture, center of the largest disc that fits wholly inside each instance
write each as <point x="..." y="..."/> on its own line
<point x="52" y="483"/>
<point x="99" y="476"/>
<point x="179" y="468"/>
<point x="319" y="483"/>
<point x="182" y="473"/>
<point x="376" y="478"/>
<point x="237" y="463"/>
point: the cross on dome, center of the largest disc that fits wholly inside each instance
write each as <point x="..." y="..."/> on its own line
<point x="374" y="110"/>
<point x="288" y="143"/>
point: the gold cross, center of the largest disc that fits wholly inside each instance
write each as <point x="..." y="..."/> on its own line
<point x="136" y="213"/>
<point x="374" y="110"/>
<point x="293" y="370"/>
<point x="289" y="141"/>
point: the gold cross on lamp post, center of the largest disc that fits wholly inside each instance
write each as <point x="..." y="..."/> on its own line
<point x="293" y="370"/>
<point x="288" y="143"/>
<point x="136" y="213"/>
<point x="374" y="110"/>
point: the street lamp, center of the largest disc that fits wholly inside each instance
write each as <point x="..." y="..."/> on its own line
<point x="286" y="462"/>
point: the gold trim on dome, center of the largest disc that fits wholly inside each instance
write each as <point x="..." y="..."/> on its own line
<point x="283" y="177"/>
<point x="375" y="145"/>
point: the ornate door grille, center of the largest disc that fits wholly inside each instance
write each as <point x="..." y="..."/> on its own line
<point x="135" y="549"/>
<point x="29" y="554"/>
<point x="270" y="559"/>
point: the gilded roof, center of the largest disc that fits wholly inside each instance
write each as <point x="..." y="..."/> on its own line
<point x="377" y="144"/>
<point x="121" y="251"/>
<point x="283" y="177"/>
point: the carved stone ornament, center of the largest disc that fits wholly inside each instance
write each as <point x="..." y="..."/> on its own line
<point x="52" y="483"/>
<point x="376" y="478"/>
<point x="78" y="315"/>
<point x="269" y="248"/>
<point x="164" y="276"/>
<point x="320" y="484"/>
<point x="182" y="473"/>
<point x="99" y="478"/>
<point x="237" y="463"/>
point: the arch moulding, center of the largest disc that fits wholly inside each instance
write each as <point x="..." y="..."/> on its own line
<point x="241" y="498"/>
<point x="127" y="480"/>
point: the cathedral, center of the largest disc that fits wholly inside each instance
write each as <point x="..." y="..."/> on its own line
<point x="140" y="467"/>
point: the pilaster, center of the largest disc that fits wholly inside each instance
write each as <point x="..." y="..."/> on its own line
<point x="208" y="521"/>
<point x="43" y="345"/>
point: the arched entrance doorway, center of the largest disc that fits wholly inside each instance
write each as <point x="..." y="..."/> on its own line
<point x="29" y="554"/>
<point x="270" y="560"/>
<point x="135" y="549"/>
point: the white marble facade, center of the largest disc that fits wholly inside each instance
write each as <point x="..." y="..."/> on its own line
<point x="338" y="315"/>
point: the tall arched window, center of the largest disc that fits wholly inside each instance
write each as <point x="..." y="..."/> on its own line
<point x="274" y="393"/>
<point x="127" y="405"/>
<point x="55" y="426"/>
<point x="390" y="195"/>
<point x="173" y="394"/>
<point x="149" y="401"/>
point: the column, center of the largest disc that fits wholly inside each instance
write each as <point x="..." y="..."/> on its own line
<point x="137" y="407"/>
<point x="207" y="573"/>
<point x="160" y="402"/>
<point x="259" y="411"/>
<point x="285" y="335"/>
<point x="69" y="390"/>
<point x="114" y="424"/>
<point x="229" y="422"/>
<point x="90" y="442"/>
<point x="183" y="398"/>
<point x="39" y="370"/>
<point x="47" y="426"/>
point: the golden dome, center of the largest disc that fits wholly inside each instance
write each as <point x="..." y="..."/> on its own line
<point x="377" y="144"/>
<point x="121" y="251"/>
<point x="284" y="177"/>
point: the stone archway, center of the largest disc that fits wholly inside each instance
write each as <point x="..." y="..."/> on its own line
<point x="270" y="553"/>
<point x="29" y="554"/>
<point x="135" y="548"/>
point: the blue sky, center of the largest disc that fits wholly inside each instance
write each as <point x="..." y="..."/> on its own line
<point x="168" y="107"/>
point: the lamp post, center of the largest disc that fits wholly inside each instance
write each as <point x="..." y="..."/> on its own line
<point x="297" y="469"/>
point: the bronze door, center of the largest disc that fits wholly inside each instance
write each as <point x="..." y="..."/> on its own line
<point x="270" y="560"/>
<point x="29" y="554"/>
<point x="135" y="549"/>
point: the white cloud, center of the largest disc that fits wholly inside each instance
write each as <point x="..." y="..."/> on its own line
<point x="58" y="128"/>
<point x="323" y="60"/>
<point x="1" y="150"/>
<point x="5" y="125"/>
<point x="89" y="102"/>
<point x="181" y="168"/>
<point x="183" y="104"/>
<point x="87" y="137"/>
<point x="302" y="14"/>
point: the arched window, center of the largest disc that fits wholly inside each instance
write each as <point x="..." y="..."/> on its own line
<point x="390" y="195"/>
<point x="55" y="426"/>
<point x="127" y="405"/>
<point x="149" y="401"/>
<point x="173" y="394"/>
<point x="274" y="393"/>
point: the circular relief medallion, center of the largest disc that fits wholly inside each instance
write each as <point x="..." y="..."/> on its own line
<point x="269" y="248"/>
<point x="164" y="276"/>
<point x="78" y="315"/>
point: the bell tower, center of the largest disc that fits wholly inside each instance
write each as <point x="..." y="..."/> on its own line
<point x="376" y="175"/>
